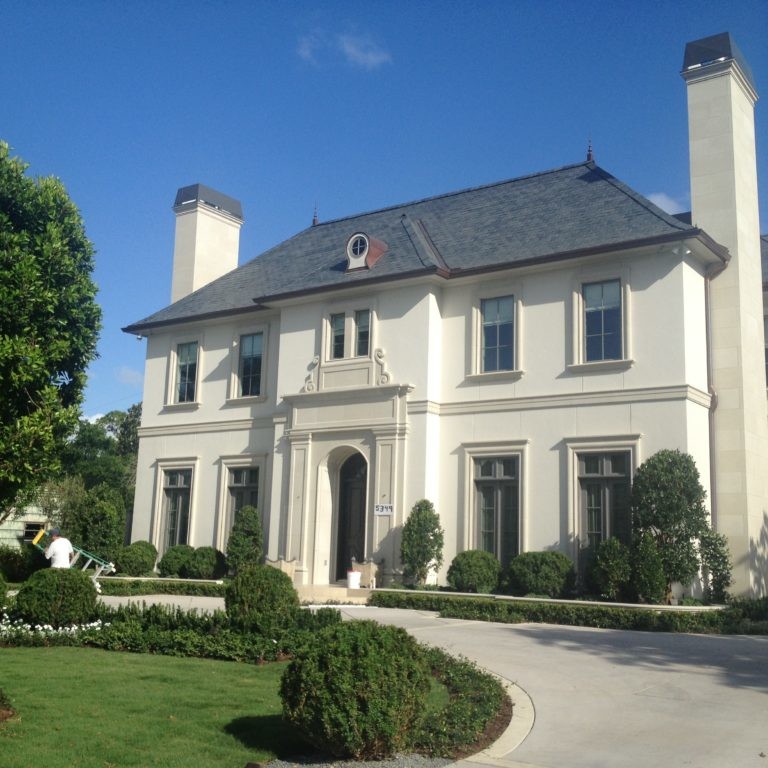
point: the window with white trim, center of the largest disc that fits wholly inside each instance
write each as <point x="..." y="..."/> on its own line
<point x="497" y="488"/>
<point x="349" y="334"/>
<point x="243" y="489"/>
<point x="362" y="332"/>
<point x="604" y="488"/>
<point x="185" y="387"/>
<point x="250" y="365"/>
<point x="498" y="334"/>
<point x="177" y="486"/>
<point x="603" y="332"/>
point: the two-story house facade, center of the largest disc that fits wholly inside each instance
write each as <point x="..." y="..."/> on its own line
<point x="511" y="352"/>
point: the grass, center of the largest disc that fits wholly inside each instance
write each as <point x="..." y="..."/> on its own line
<point x="87" y="708"/>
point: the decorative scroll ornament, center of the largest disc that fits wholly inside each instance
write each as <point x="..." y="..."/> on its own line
<point x="382" y="376"/>
<point x="310" y="384"/>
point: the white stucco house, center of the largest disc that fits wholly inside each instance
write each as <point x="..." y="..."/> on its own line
<point x="511" y="352"/>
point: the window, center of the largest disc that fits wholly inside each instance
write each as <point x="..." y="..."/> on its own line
<point x="186" y="372"/>
<point x="497" y="483"/>
<point x="604" y="485"/>
<point x="31" y="530"/>
<point x="177" y="484"/>
<point x="243" y="489"/>
<point x="602" y="321"/>
<point x="362" y="332"/>
<point x="249" y="369"/>
<point x="337" y="336"/>
<point x="498" y="334"/>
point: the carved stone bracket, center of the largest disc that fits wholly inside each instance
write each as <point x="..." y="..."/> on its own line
<point x="382" y="375"/>
<point x="310" y="383"/>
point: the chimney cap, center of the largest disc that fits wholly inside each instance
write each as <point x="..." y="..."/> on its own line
<point x="186" y="197"/>
<point x="713" y="50"/>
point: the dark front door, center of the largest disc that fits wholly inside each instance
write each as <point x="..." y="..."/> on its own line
<point x="350" y="539"/>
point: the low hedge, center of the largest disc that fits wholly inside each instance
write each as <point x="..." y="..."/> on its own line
<point x="132" y="588"/>
<point x="742" y="617"/>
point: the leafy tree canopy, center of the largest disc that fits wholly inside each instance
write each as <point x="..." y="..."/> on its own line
<point x="49" y="323"/>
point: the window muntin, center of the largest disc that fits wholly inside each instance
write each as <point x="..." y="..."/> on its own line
<point x="362" y="332"/>
<point x="243" y="489"/>
<point x="498" y="337"/>
<point x="497" y="482"/>
<point x="250" y="364"/>
<point x="602" y="320"/>
<point x="604" y="482"/>
<point x="186" y="372"/>
<point x="337" y="335"/>
<point x="177" y="484"/>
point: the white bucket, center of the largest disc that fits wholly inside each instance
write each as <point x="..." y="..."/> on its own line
<point x="353" y="579"/>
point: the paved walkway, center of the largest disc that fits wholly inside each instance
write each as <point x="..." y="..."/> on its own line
<point x="591" y="698"/>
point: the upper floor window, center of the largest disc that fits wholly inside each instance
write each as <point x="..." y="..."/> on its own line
<point x="362" y="332"/>
<point x="602" y="321"/>
<point x="249" y="369"/>
<point x="498" y="336"/>
<point x="186" y="372"/>
<point x="338" y="322"/>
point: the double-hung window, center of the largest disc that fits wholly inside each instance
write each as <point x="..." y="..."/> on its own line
<point x="250" y="364"/>
<point x="186" y="372"/>
<point x="604" y="485"/>
<point x="497" y="485"/>
<point x="350" y="334"/>
<point x="602" y="321"/>
<point x="498" y="334"/>
<point x="243" y="489"/>
<point x="177" y="484"/>
<point x="338" y="322"/>
<point x="362" y="332"/>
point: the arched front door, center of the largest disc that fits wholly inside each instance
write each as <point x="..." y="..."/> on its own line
<point x="350" y="539"/>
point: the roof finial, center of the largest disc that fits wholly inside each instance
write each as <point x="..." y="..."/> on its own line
<point x="314" y="217"/>
<point x="590" y="155"/>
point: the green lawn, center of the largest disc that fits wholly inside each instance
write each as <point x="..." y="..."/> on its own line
<point x="86" y="708"/>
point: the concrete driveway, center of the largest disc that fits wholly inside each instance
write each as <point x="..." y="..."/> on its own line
<point x="616" y="699"/>
<point x="597" y="698"/>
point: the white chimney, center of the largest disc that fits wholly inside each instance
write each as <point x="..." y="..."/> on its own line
<point x="207" y="238"/>
<point x="724" y="203"/>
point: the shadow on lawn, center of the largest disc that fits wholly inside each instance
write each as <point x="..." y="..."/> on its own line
<point x="267" y="733"/>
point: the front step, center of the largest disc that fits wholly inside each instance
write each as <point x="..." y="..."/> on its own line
<point x="330" y="594"/>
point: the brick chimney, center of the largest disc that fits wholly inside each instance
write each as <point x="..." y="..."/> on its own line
<point x="724" y="203"/>
<point x="207" y="238"/>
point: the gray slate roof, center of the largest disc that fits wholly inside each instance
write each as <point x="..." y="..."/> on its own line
<point x="545" y="216"/>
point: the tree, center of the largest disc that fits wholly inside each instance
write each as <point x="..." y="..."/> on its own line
<point x="668" y="504"/>
<point x="246" y="540"/>
<point x="421" y="547"/>
<point x="49" y="323"/>
<point x="95" y="520"/>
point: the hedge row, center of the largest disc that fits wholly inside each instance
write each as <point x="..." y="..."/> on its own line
<point x="132" y="588"/>
<point x="742" y="617"/>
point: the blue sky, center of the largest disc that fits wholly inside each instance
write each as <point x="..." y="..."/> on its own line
<point x="350" y="106"/>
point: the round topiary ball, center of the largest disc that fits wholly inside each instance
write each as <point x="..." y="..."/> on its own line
<point x="357" y="689"/>
<point x="206" y="563"/>
<point x="261" y="599"/>
<point x="137" y="559"/>
<point x="57" y="596"/>
<point x="474" y="571"/>
<point x="540" y="573"/>
<point x="175" y="560"/>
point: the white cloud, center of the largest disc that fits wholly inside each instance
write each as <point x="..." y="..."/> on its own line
<point x="130" y="377"/>
<point x="667" y="203"/>
<point x="363" y="52"/>
<point x="309" y="45"/>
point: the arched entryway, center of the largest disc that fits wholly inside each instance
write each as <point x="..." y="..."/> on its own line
<point x="350" y="533"/>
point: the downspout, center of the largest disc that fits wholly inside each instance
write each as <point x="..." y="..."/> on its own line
<point x="709" y="276"/>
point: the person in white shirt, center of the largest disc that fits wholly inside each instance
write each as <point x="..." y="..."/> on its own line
<point x="59" y="551"/>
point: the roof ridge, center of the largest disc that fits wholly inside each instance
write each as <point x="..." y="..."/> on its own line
<point x="385" y="209"/>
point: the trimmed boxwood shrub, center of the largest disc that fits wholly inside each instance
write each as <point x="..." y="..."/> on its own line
<point x="57" y="596"/>
<point x="262" y="599"/>
<point x="18" y="565"/>
<point x="246" y="540"/>
<point x="474" y="571"/>
<point x="174" y="561"/>
<point x="648" y="580"/>
<point x="137" y="559"/>
<point x="206" y="563"/>
<point x="110" y="586"/>
<point x="357" y="690"/>
<point x="611" y="569"/>
<point x="540" y="573"/>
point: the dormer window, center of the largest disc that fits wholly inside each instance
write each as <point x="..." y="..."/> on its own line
<point x="357" y="250"/>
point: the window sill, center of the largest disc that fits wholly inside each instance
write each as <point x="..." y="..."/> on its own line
<point x="181" y="406"/>
<point x="496" y="376"/>
<point x="601" y="366"/>
<point x="247" y="400"/>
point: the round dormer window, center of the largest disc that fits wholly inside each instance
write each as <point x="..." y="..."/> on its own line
<point x="357" y="250"/>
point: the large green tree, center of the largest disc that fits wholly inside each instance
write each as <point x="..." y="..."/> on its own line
<point x="49" y="323"/>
